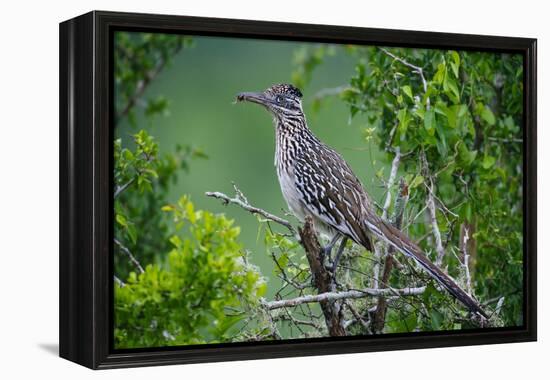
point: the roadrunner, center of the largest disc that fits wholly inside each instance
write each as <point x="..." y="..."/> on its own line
<point x="315" y="180"/>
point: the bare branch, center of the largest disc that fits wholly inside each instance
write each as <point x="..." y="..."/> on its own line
<point x="242" y="202"/>
<point x="119" y="282"/>
<point x="504" y="140"/>
<point x="391" y="181"/>
<point x="350" y="294"/>
<point x="499" y="305"/>
<point x="430" y="203"/>
<point x="120" y="189"/>
<point x="465" y="257"/>
<point x="378" y="254"/>
<point x="322" y="278"/>
<point x="131" y="257"/>
<point x="356" y="315"/>
<point x="296" y="321"/>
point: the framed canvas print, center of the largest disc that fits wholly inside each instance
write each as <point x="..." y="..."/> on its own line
<point x="237" y="189"/>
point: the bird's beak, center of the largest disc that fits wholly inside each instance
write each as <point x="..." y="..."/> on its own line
<point x="254" y="97"/>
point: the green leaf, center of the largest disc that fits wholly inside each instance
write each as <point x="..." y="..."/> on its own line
<point x="407" y="90"/>
<point x="132" y="233"/>
<point x="440" y="74"/>
<point x="429" y="120"/>
<point x="404" y="119"/>
<point x="283" y="260"/>
<point x="436" y="319"/>
<point x="418" y="180"/>
<point x="488" y="162"/>
<point x="455" y="63"/>
<point x="121" y="219"/>
<point x="451" y="89"/>
<point x="488" y="116"/>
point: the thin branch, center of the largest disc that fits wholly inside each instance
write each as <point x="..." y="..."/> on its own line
<point x="430" y="203"/>
<point x="391" y="181"/>
<point x="350" y="294"/>
<point x="504" y="140"/>
<point x="356" y="315"/>
<point x="285" y="277"/>
<point x="288" y="317"/>
<point x="465" y="264"/>
<point x="499" y="305"/>
<point x="120" y="189"/>
<point x="242" y="202"/>
<point x="415" y="69"/>
<point x="119" y="282"/>
<point x="131" y="257"/>
<point x="378" y="253"/>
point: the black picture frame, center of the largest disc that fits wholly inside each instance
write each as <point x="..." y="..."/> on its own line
<point x="86" y="204"/>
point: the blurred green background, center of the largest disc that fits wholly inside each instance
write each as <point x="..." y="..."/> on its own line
<point x="200" y="85"/>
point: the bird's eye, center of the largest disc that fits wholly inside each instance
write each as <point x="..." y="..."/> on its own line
<point x="279" y="99"/>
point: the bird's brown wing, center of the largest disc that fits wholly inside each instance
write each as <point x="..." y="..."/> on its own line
<point x="332" y="193"/>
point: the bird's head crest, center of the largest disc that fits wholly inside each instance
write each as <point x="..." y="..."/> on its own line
<point x="285" y="89"/>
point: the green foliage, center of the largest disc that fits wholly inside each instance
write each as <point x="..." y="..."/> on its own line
<point x="197" y="294"/>
<point x="465" y="117"/>
<point x="143" y="179"/>
<point x="197" y="285"/>
<point x="143" y="176"/>
<point x="139" y="57"/>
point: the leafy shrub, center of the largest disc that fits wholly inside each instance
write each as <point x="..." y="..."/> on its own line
<point x="195" y="295"/>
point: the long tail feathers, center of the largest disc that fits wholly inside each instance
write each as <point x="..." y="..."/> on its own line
<point x="403" y="244"/>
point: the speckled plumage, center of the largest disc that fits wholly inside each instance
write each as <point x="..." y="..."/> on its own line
<point x="315" y="180"/>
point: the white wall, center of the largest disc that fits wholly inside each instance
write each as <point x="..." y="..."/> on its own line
<point x="29" y="186"/>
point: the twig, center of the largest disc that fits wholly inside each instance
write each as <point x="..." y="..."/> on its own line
<point x="430" y="203"/>
<point x="241" y="201"/>
<point x="121" y="188"/>
<point x="465" y="263"/>
<point x="499" y="305"/>
<point x="391" y="180"/>
<point x="415" y="69"/>
<point x="376" y="267"/>
<point x="284" y="276"/>
<point x="119" y="282"/>
<point x="504" y="140"/>
<point x="296" y="321"/>
<point x="350" y="294"/>
<point x="356" y="315"/>
<point x="131" y="257"/>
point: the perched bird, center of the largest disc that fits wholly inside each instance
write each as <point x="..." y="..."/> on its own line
<point x="315" y="180"/>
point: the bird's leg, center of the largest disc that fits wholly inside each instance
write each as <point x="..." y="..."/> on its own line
<point x="339" y="253"/>
<point x="325" y="251"/>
